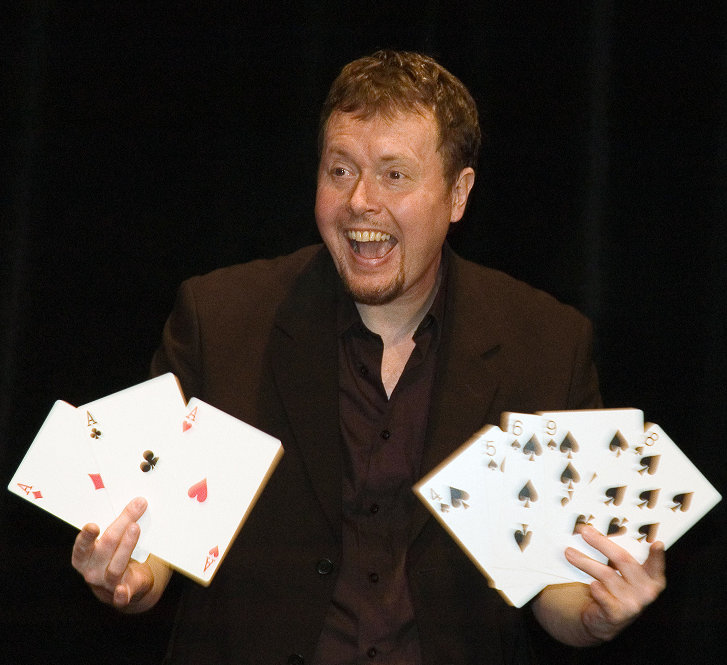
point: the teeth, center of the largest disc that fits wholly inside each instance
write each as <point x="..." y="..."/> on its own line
<point x="368" y="236"/>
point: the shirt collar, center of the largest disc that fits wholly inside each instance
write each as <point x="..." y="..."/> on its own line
<point x="348" y="316"/>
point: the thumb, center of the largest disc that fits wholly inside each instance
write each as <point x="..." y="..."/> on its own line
<point x="655" y="563"/>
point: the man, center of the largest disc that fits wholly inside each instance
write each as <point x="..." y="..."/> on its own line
<point x="372" y="359"/>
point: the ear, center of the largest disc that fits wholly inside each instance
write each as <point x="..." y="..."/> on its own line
<point x="460" y="193"/>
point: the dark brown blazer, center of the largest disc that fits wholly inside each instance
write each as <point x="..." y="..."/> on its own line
<point x="258" y="341"/>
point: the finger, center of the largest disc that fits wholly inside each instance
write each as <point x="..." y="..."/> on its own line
<point x="617" y="556"/>
<point x="131" y="513"/>
<point x="616" y="602"/>
<point x="599" y="541"/>
<point x="122" y="596"/>
<point x="604" y="608"/>
<point x="120" y="558"/>
<point x="109" y="541"/>
<point x="655" y="564"/>
<point x="596" y="569"/>
<point x="96" y="569"/>
<point x="138" y="580"/>
<point x="84" y="545"/>
<point x="624" y="587"/>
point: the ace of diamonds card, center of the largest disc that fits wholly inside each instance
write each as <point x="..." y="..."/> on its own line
<point x="60" y="475"/>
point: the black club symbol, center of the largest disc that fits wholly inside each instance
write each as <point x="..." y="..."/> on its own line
<point x="95" y="433"/>
<point x="150" y="462"/>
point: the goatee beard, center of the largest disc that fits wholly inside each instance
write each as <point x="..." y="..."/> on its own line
<point x="376" y="296"/>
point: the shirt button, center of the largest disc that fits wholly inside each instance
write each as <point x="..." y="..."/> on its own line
<point x="373" y="578"/>
<point x="371" y="653"/>
<point x="374" y="508"/>
<point x="296" y="659"/>
<point x="385" y="434"/>
<point x="363" y="370"/>
<point x="324" y="566"/>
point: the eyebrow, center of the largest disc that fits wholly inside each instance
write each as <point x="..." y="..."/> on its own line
<point x="386" y="158"/>
<point x="395" y="158"/>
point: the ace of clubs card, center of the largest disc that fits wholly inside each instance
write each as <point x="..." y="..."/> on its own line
<point x="132" y="434"/>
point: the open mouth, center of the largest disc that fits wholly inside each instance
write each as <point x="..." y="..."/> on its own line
<point x="371" y="244"/>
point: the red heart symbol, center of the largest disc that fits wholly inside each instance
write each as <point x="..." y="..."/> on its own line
<point x="198" y="490"/>
<point x="215" y="551"/>
<point x="186" y="426"/>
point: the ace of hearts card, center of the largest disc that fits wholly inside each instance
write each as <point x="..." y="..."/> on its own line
<point x="219" y="466"/>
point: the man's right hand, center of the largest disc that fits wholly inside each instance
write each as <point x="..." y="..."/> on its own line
<point x="107" y="567"/>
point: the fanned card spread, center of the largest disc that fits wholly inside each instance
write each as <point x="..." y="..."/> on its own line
<point x="513" y="496"/>
<point x="200" y="469"/>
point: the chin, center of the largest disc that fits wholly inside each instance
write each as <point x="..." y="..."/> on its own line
<point x="372" y="295"/>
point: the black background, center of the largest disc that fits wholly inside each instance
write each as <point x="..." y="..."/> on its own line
<point x="147" y="142"/>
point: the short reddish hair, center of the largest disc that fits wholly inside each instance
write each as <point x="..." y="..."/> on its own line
<point x="390" y="82"/>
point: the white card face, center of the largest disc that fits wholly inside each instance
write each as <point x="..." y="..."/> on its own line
<point x="60" y="475"/>
<point x="220" y="465"/>
<point x="583" y="446"/>
<point x="684" y="495"/>
<point x="465" y="494"/>
<point x="589" y="438"/>
<point x="132" y="434"/>
<point x="519" y="536"/>
<point x="458" y="494"/>
<point x="655" y="494"/>
<point x="535" y="537"/>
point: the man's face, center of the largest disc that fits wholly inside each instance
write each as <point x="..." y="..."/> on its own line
<point x="383" y="207"/>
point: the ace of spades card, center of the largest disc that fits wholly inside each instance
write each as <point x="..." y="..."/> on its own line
<point x="219" y="467"/>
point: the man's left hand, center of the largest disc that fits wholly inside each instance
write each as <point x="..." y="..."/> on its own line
<point x="582" y="615"/>
<point x="622" y="588"/>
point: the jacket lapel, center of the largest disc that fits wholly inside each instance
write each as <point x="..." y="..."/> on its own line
<point x="468" y="372"/>
<point x="305" y="367"/>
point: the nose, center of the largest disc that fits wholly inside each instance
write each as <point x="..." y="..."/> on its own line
<point x="363" y="196"/>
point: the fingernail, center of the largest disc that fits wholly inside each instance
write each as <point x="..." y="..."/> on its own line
<point x="140" y="503"/>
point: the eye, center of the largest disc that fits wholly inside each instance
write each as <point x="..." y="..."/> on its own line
<point x="396" y="175"/>
<point x="338" y="171"/>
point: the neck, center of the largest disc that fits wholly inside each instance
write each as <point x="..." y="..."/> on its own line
<point x="397" y="321"/>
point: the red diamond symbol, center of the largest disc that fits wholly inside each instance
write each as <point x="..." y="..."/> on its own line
<point x="96" y="480"/>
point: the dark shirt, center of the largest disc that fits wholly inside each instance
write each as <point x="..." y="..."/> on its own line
<point x="371" y="618"/>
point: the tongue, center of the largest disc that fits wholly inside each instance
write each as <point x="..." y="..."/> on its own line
<point x="374" y="250"/>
